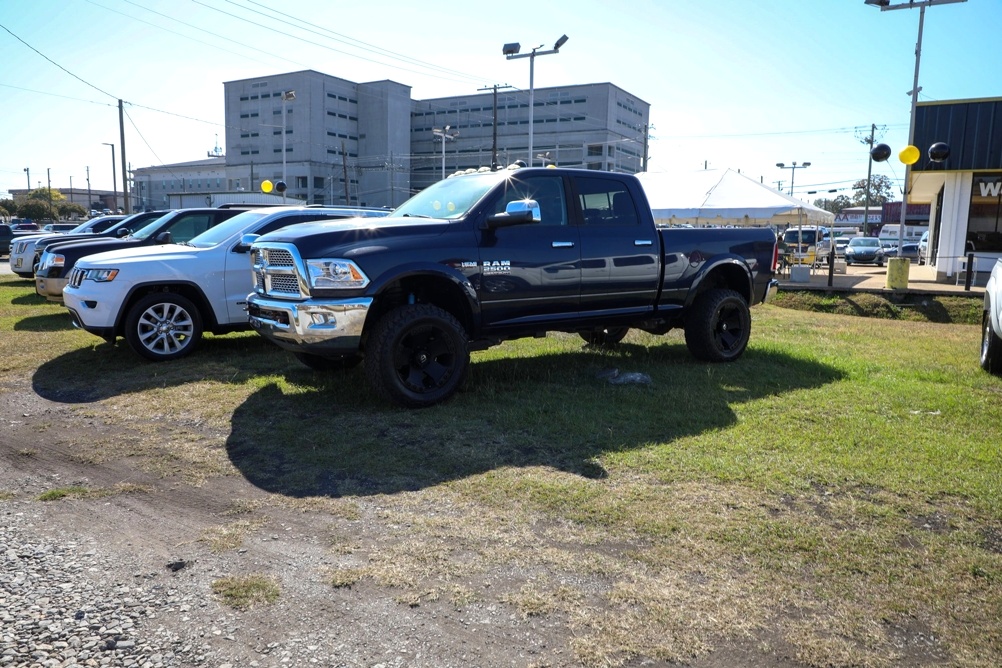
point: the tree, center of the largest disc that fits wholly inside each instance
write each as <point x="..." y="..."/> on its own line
<point x="70" y="209"/>
<point x="7" y="209"/>
<point x="834" y="205"/>
<point x="880" y="191"/>
<point x="35" y="209"/>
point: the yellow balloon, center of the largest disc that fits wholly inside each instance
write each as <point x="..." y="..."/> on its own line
<point x="266" y="185"/>
<point x="909" y="155"/>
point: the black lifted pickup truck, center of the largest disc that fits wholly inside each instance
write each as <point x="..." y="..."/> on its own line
<point x="483" y="257"/>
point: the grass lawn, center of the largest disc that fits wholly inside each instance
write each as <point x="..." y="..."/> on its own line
<point x="834" y="496"/>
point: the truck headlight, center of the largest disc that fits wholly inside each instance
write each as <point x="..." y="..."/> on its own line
<point x="53" y="260"/>
<point x="343" y="274"/>
<point x="100" y="275"/>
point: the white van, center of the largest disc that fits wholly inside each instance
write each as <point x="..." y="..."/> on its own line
<point x="889" y="232"/>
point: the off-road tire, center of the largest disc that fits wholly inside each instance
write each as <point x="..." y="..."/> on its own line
<point x="609" y="336"/>
<point x="417" y="356"/>
<point x="991" y="347"/>
<point x="718" y="326"/>
<point x="329" y="364"/>
<point x="163" y="326"/>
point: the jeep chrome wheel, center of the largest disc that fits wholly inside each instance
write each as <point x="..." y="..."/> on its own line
<point x="163" y="326"/>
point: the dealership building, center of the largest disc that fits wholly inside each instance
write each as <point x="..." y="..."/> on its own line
<point x="334" y="141"/>
<point x="965" y="190"/>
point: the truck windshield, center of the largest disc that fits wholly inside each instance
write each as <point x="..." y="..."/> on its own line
<point x="450" y="198"/>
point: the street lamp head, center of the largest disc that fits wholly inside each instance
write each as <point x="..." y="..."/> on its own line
<point x="806" y="164"/>
<point x="560" y="42"/>
<point x="781" y="164"/>
<point x="511" y="49"/>
<point x="877" y="3"/>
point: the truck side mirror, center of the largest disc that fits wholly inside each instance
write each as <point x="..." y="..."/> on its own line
<point x="164" y="238"/>
<point x="122" y="232"/>
<point x="517" y="212"/>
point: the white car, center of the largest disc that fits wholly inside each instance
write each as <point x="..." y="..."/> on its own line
<point x="991" y="323"/>
<point x="161" y="298"/>
<point x="23" y="252"/>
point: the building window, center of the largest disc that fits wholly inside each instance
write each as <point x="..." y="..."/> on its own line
<point x="318" y="181"/>
<point x="985" y="219"/>
<point x="594" y="149"/>
<point x="301" y="182"/>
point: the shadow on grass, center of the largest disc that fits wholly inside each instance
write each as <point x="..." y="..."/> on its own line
<point x="549" y="410"/>
<point x="107" y="370"/>
<point x="54" y="322"/>
<point x="328" y="435"/>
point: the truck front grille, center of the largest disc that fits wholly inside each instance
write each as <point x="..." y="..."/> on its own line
<point x="276" y="272"/>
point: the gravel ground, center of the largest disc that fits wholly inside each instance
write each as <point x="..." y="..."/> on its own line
<point x="58" y="607"/>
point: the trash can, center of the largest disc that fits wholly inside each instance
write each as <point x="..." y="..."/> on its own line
<point x="897" y="273"/>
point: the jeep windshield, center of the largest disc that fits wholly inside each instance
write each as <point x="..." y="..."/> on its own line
<point x="238" y="224"/>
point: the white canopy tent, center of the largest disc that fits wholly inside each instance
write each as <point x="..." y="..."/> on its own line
<point x="716" y="197"/>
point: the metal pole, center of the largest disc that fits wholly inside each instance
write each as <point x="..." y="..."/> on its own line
<point x="125" y="171"/>
<point x="283" y="149"/>
<point x="532" y="70"/>
<point x="28" y="172"/>
<point x="869" y="172"/>
<point x="911" y="131"/>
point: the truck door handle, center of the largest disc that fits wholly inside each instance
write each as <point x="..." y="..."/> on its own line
<point x="643" y="242"/>
<point x="563" y="244"/>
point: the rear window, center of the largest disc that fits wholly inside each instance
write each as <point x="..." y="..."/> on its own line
<point x="800" y="236"/>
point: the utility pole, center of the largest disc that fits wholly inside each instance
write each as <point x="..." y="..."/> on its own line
<point x="494" y="143"/>
<point x="869" y="139"/>
<point x="125" y="173"/>
<point x="90" y="200"/>
<point x="646" y="129"/>
<point x="48" y="176"/>
<point x="344" y="167"/>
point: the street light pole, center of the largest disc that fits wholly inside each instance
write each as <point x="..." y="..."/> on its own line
<point x="28" y="172"/>
<point x="114" y="179"/>
<point x="287" y="96"/>
<point x="886" y="5"/>
<point x="793" y="173"/>
<point x="445" y="134"/>
<point x="511" y="52"/>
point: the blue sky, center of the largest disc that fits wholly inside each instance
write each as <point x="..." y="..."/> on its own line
<point x="731" y="83"/>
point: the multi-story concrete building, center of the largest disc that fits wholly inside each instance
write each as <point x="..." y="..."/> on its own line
<point x="371" y="144"/>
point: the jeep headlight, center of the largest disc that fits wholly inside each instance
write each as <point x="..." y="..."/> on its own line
<point x="344" y="274"/>
<point x="100" y="275"/>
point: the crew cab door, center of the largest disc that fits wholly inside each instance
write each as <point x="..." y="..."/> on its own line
<point x="530" y="272"/>
<point x="620" y="248"/>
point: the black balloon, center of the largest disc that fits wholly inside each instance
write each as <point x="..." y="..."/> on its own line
<point x="939" y="152"/>
<point x="880" y="152"/>
<point x="281" y="187"/>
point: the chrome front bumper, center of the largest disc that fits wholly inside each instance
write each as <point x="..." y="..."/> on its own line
<point x="315" y="327"/>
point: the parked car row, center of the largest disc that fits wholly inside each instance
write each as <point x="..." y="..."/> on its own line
<point x="184" y="273"/>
